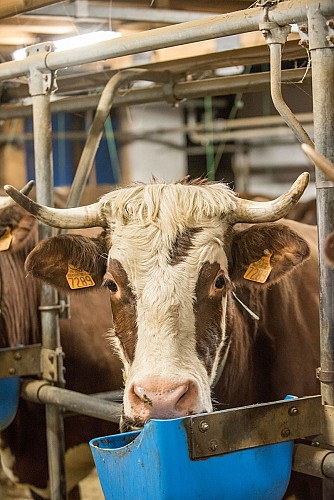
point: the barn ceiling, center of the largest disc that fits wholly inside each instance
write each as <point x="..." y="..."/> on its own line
<point x="23" y="24"/>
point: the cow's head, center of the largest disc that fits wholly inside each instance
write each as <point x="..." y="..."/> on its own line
<point x="169" y="255"/>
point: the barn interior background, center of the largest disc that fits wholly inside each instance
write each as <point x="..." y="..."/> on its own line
<point x="203" y="109"/>
<point x="224" y="135"/>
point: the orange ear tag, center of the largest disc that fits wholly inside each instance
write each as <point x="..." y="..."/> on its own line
<point x="78" y="278"/>
<point x="259" y="271"/>
<point x="6" y="240"/>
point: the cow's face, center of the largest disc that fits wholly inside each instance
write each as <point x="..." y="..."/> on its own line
<point x="169" y="257"/>
<point x="168" y="297"/>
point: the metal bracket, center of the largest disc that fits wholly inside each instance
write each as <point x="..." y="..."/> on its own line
<point x="52" y="365"/>
<point x="273" y="33"/>
<point x="168" y="92"/>
<point x="249" y="426"/>
<point x="325" y="376"/>
<point x="42" y="80"/>
<point x="63" y="308"/>
<point x="20" y="361"/>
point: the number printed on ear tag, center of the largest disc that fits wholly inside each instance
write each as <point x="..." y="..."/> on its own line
<point x="259" y="271"/>
<point x="78" y="278"/>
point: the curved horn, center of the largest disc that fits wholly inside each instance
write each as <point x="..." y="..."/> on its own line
<point x="270" y="211"/>
<point x="320" y="161"/>
<point x="65" y="218"/>
<point x="7" y="201"/>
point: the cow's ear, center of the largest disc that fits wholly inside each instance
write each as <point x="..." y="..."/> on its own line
<point x="54" y="259"/>
<point x="262" y="245"/>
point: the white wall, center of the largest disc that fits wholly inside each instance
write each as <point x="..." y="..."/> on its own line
<point x="143" y="158"/>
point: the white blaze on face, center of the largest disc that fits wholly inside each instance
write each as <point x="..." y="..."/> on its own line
<point x="166" y="372"/>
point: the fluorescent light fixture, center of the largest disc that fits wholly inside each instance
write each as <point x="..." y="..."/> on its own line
<point x="74" y="42"/>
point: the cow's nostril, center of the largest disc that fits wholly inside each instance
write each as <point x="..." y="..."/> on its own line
<point x="163" y="399"/>
<point x="185" y="403"/>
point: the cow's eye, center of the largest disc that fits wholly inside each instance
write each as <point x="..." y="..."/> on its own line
<point x="220" y="282"/>
<point x="111" y="285"/>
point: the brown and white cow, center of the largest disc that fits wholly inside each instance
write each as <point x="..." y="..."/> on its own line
<point x="90" y="366"/>
<point x="174" y="257"/>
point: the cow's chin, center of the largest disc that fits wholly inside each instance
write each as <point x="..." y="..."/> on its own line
<point x="128" y="424"/>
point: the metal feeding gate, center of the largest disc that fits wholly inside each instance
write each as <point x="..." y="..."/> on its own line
<point x="203" y="439"/>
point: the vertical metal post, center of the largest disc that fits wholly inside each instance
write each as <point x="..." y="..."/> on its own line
<point x="40" y="84"/>
<point x="322" y="56"/>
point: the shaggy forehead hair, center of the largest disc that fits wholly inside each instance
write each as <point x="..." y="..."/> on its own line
<point x="178" y="204"/>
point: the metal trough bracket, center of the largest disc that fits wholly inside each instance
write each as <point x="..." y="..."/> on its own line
<point x="20" y="361"/>
<point x="52" y="365"/>
<point x="249" y="426"/>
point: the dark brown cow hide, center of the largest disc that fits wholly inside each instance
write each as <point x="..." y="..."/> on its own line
<point x="90" y="365"/>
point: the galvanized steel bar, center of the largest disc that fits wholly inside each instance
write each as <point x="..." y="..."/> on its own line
<point x="313" y="461"/>
<point x="99" y="11"/>
<point x="276" y="94"/>
<point x="182" y="90"/>
<point x="242" y="21"/>
<point x="322" y="55"/>
<point x="91" y="405"/>
<point x="14" y="7"/>
<point x="49" y="317"/>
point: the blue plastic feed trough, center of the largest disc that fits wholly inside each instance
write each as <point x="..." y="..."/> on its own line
<point x="154" y="464"/>
<point x="9" y="399"/>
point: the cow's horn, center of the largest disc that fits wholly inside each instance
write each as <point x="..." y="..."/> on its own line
<point x="7" y="201"/>
<point x="65" y="218"/>
<point x="270" y="211"/>
<point x="320" y="161"/>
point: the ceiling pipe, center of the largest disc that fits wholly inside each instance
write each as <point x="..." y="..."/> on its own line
<point x="167" y="36"/>
<point x="14" y="7"/>
<point x="218" y="86"/>
<point x="276" y="37"/>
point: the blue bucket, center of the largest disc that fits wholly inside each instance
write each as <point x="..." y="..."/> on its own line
<point x="154" y="464"/>
<point x="9" y="400"/>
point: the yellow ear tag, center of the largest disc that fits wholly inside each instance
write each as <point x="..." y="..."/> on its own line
<point x="78" y="278"/>
<point x="259" y="271"/>
<point x="6" y="240"/>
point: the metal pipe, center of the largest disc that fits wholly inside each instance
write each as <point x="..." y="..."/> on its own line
<point x="322" y="56"/>
<point x="323" y="110"/>
<point x="182" y="90"/>
<point x="169" y="36"/>
<point x="220" y="126"/>
<point x="39" y="391"/>
<point x="49" y="316"/>
<point x="313" y="461"/>
<point x="96" y="11"/>
<point x="14" y="7"/>
<point x="277" y="98"/>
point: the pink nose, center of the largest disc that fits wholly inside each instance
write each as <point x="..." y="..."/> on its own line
<point x="152" y="398"/>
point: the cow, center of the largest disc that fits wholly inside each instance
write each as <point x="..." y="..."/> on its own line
<point x="90" y="366"/>
<point x="214" y="301"/>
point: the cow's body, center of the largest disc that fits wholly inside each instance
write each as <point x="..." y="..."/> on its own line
<point x="278" y="354"/>
<point x="174" y="258"/>
<point x="90" y="366"/>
